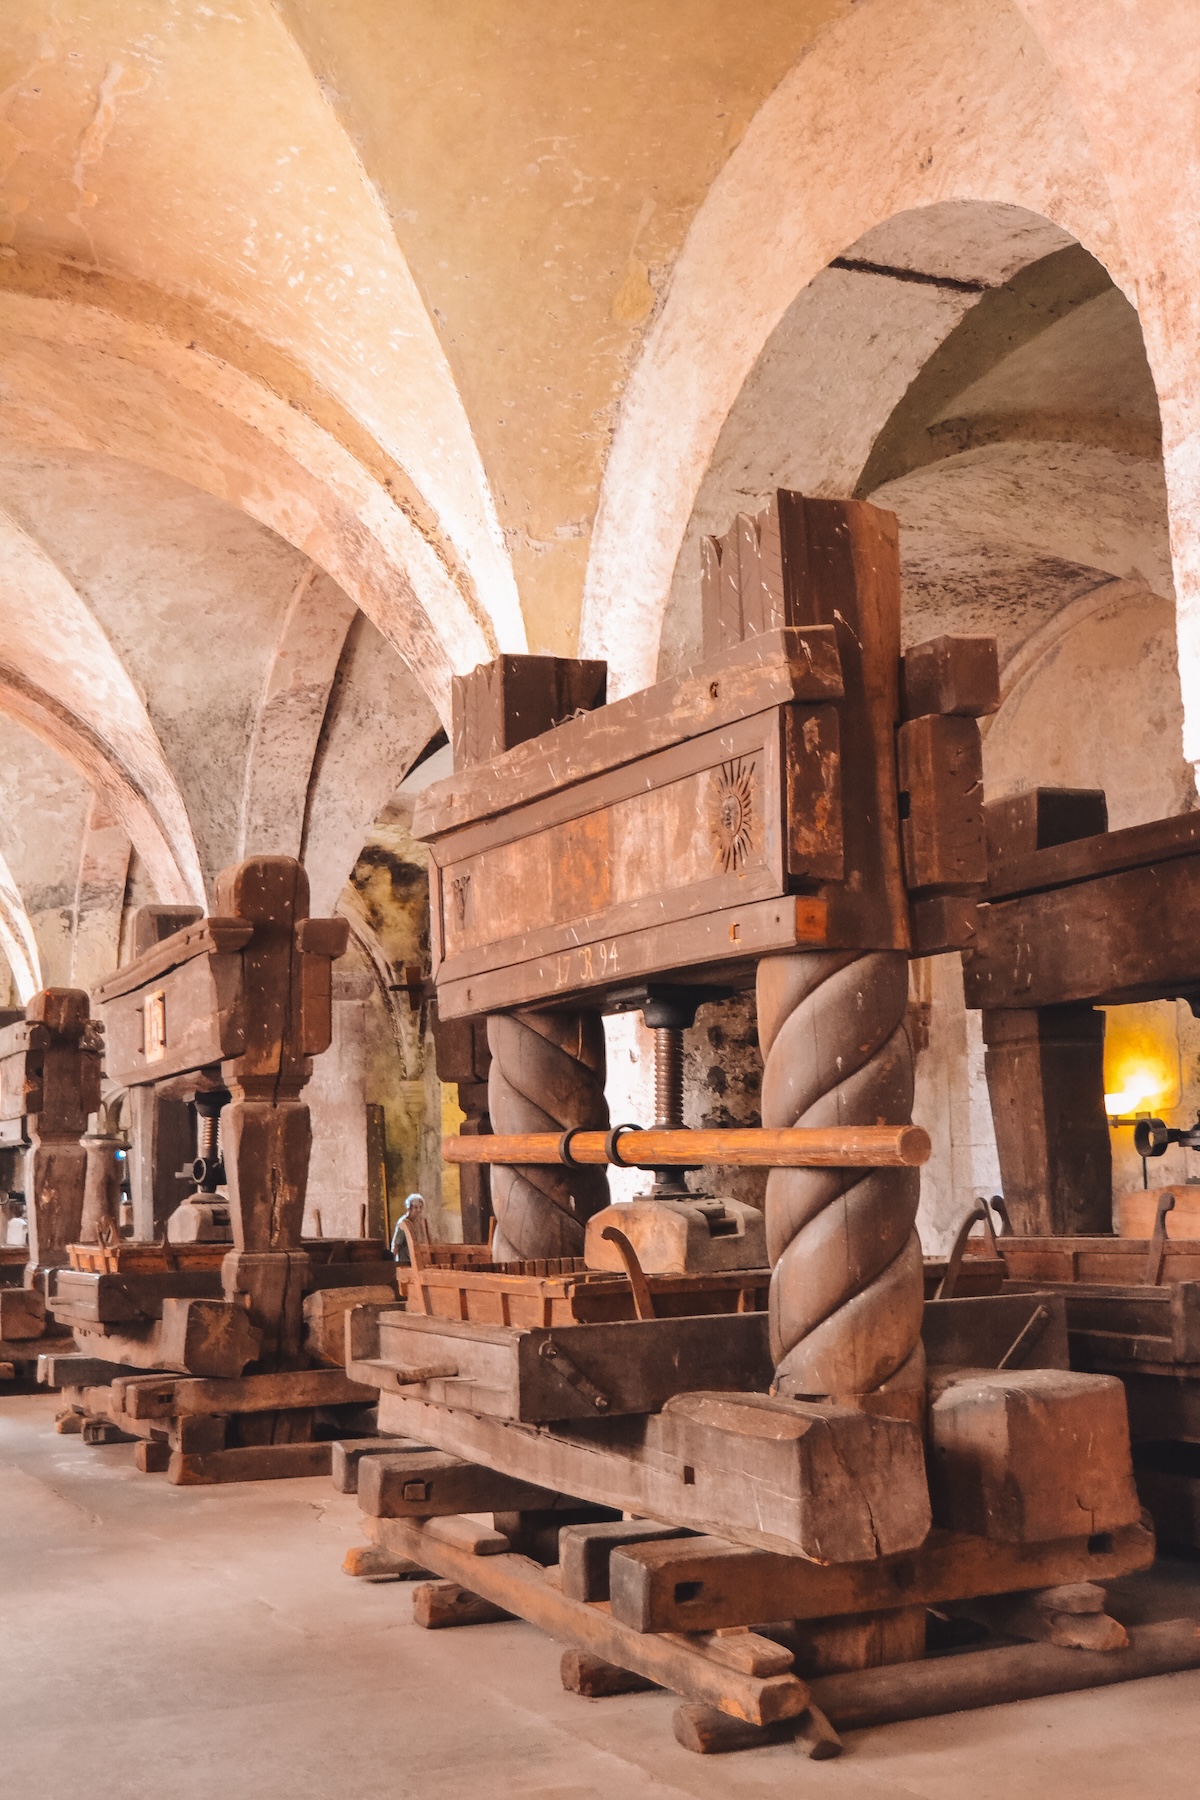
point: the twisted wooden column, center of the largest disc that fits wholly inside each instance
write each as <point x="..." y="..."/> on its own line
<point x="547" y="1074"/>
<point x="846" y="1282"/>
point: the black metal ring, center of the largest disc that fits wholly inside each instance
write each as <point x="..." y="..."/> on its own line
<point x="613" y="1139"/>
<point x="564" y="1146"/>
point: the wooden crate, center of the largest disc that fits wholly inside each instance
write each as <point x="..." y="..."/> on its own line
<point x="145" y="1259"/>
<point x="535" y="1294"/>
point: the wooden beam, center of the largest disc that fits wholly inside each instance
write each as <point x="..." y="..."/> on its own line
<point x="706" y="1583"/>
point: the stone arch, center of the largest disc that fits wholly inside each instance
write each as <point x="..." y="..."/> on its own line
<point x="828" y="161"/>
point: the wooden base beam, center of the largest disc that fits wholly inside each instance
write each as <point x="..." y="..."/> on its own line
<point x="517" y="1585"/>
<point x="250" y="1462"/>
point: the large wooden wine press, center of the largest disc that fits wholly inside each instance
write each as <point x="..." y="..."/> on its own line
<point x="672" y="1471"/>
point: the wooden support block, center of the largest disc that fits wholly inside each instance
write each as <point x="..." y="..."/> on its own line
<point x="287" y="1390"/>
<point x="474" y="1536"/>
<point x="951" y="676"/>
<point x="1035" y="1618"/>
<point x="851" y="1484"/>
<point x="506" y="702"/>
<point x="367" y="1562"/>
<point x="740" y="1648"/>
<point x="103" y="1431"/>
<point x="75" y="1371"/>
<point x="151" y="1456"/>
<point x="596" y="1679"/>
<point x="206" y="1337"/>
<point x="249" y="1462"/>
<point x="438" y="1605"/>
<point x="325" y="1319"/>
<point x="709" y="1732"/>
<point x="584" y="1551"/>
<point x="422" y="1484"/>
<point x="941" y="803"/>
<point x="349" y="1452"/>
<point x="22" y="1313"/>
<point x="859" y="1641"/>
<point x="8" y="1371"/>
<point x="538" y="1533"/>
<point x="68" y="1423"/>
<point x="199" y="1433"/>
<point x="1023" y="1456"/>
<point x="702" y="1583"/>
<point x="976" y="1678"/>
<point x="1040" y="818"/>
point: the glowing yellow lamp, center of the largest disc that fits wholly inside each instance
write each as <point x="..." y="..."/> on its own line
<point x="1141" y="1059"/>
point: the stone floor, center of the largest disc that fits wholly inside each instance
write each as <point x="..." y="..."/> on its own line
<point x="175" y="1643"/>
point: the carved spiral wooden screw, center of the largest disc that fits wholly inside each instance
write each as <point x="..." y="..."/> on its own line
<point x="847" y="1282"/>
<point x="547" y="1074"/>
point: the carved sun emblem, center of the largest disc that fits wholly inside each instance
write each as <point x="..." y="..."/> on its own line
<point x="733" y="816"/>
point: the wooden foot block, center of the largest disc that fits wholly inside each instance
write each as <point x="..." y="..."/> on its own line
<point x="22" y="1313"/>
<point x="348" y="1453"/>
<point x="151" y="1456"/>
<point x="8" y="1371"/>
<point x="103" y="1431"/>
<point x="69" y="1423"/>
<point x="584" y="1550"/>
<point x="712" y="1733"/>
<point x="367" y="1562"/>
<point x="249" y="1462"/>
<point x="424" y="1484"/>
<point x="440" y="1604"/>
<point x="596" y="1679"/>
<point x="817" y="1735"/>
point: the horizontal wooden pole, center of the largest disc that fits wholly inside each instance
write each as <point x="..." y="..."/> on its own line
<point x="794" y="1147"/>
<point x="945" y="1684"/>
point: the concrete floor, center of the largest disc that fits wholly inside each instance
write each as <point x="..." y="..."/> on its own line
<point x="176" y="1643"/>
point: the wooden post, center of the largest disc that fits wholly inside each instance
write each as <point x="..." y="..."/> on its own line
<point x="546" y="1070"/>
<point x="63" y="1088"/>
<point x="1045" y="1066"/>
<point x="462" y="1054"/>
<point x="1045" y="1076"/>
<point x="846" y="1287"/>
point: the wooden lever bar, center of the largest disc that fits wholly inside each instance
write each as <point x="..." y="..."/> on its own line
<point x="791" y="1147"/>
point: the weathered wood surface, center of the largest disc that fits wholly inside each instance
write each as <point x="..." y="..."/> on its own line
<point x="518" y="1585"/>
<point x="992" y="1677"/>
<point x="515" y="698"/>
<point x="718" y="948"/>
<point x="543" y="1375"/>
<point x="1020" y="868"/>
<point x="1089" y="942"/>
<point x="647" y="844"/>
<point x="1096" y="1261"/>
<point x="977" y="1331"/>
<point x="421" y="1484"/>
<point x="1022" y="1456"/>
<point x="705" y="1583"/>
<point x="952" y="677"/>
<point x="165" y="1397"/>
<point x="249" y="1462"/>
<point x="1045" y="1075"/>
<point x="123" y="1298"/>
<point x="824" y="1482"/>
<point x="941" y="788"/>
<point x="780" y="667"/>
<point x="835" y="1146"/>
